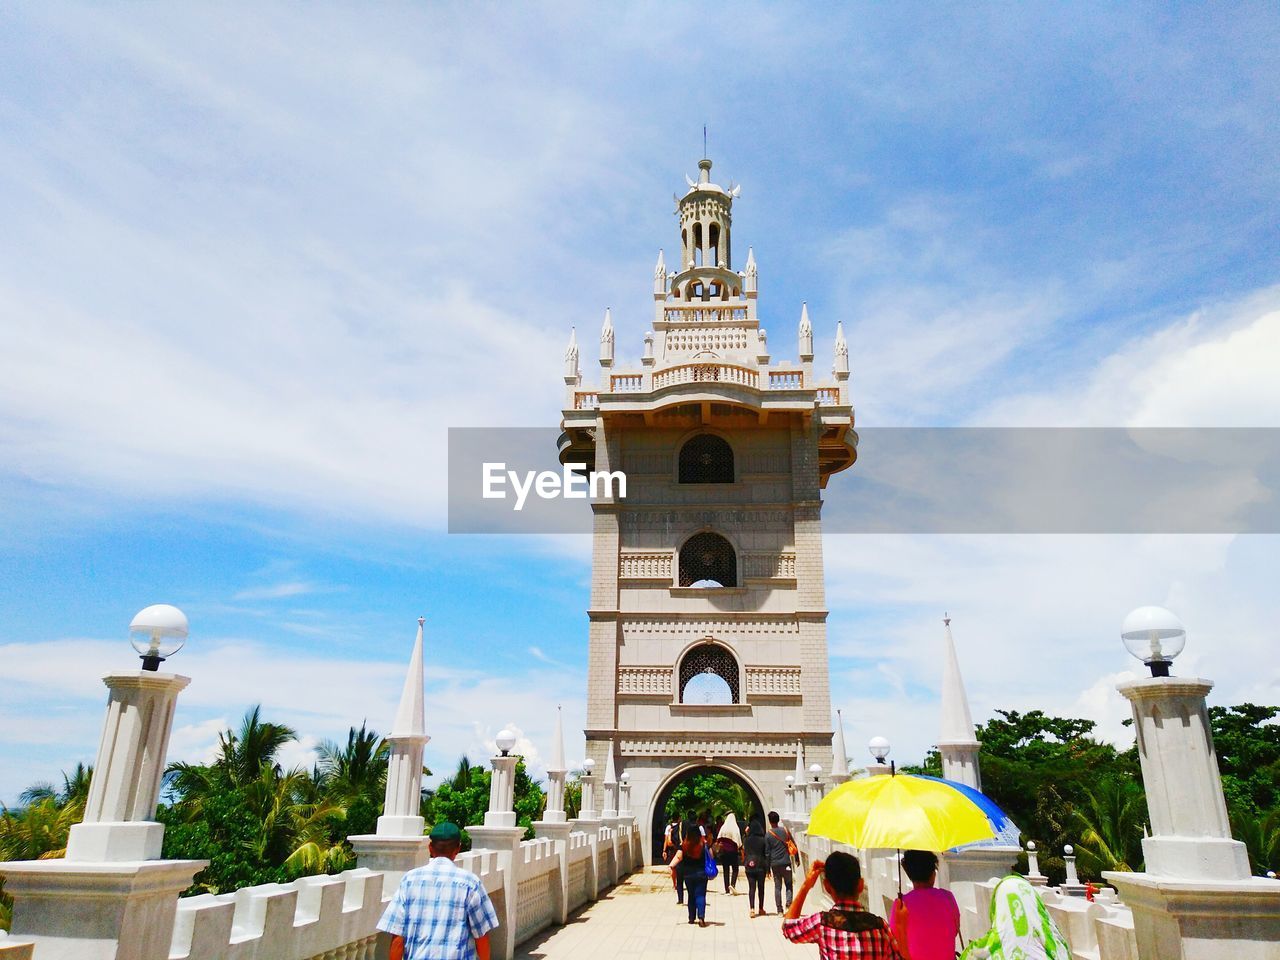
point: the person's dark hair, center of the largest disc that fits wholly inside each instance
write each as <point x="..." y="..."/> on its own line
<point x="756" y="826"/>
<point x="920" y="865"/>
<point x="773" y="817"/>
<point x="842" y="872"/>
<point x="675" y="818"/>
<point x="692" y="842"/>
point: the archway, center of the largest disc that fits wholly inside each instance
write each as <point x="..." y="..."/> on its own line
<point x="658" y="814"/>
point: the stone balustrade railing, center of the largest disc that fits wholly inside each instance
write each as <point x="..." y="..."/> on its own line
<point x="336" y="917"/>
<point x="1101" y="929"/>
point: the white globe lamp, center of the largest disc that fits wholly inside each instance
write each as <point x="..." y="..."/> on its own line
<point x="157" y="633"/>
<point x="1155" y="636"/>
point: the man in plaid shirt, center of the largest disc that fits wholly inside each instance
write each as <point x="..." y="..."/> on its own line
<point x="845" y="931"/>
<point x="440" y="911"/>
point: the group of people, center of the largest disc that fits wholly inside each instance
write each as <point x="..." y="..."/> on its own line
<point x="442" y="911"/>
<point x="923" y="925"/>
<point x="758" y="851"/>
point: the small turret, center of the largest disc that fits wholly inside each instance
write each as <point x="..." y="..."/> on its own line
<point x="660" y="279"/>
<point x="806" y="334"/>
<point x="606" y="340"/>
<point x="841" y="367"/>
<point x="750" y="278"/>
<point x="572" y="374"/>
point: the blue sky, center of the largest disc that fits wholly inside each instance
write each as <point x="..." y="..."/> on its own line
<point x="256" y="261"/>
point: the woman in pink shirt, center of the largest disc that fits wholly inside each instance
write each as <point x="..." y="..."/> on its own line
<point x="933" y="916"/>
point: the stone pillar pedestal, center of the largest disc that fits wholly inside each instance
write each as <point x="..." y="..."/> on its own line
<point x="558" y="832"/>
<point x="1196" y="900"/>
<point x="77" y="910"/>
<point x="392" y="856"/>
<point x="506" y="841"/>
<point x="961" y="870"/>
<point x="119" y="815"/>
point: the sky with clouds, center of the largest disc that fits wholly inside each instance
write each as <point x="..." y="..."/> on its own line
<point x="255" y="261"/>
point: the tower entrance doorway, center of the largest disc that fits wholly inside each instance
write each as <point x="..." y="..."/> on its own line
<point x="701" y="789"/>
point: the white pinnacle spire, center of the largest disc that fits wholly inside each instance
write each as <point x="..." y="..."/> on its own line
<point x="610" y="772"/>
<point x="840" y="759"/>
<point x="410" y="719"/>
<point x="660" y="269"/>
<point x="806" y="334"/>
<point x="752" y="270"/>
<point x="660" y="278"/>
<point x="557" y="748"/>
<point x="841" y="368"/>
<point x="571" y="372"/>
<point x="606" y="339"/>
<point x="800" y="767"/>
<point x="957" y="722"/>
<point x="750" y="275"/>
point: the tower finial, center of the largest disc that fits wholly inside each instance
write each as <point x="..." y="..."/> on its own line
<point x="841" y="367"/>
<point x="606" y="340"/>
<point x="806" y="334"/>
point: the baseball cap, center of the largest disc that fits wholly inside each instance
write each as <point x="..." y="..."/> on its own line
<point x="445" y="832"/>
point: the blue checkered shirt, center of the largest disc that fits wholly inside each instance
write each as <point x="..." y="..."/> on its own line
<point x="440" y="910"/>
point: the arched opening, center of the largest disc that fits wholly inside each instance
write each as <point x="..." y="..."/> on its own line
<point x="708" y="559"/>
<point x="713" y="791"/>
<point x="709" y="668"/>
<point x="697" y="244"/>
<point x="706" y="458"/>
<point x="714" y="244"/>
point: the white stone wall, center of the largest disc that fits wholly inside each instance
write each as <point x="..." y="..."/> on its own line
<point x="335" y="918"/>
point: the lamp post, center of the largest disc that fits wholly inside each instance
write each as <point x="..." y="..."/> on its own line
<point x="1195" y="899"/>
<point x="815" y="785"/>
<point x="112" y="897"/>
<point x="878" y="747"/>
<point x="624" y="789"/>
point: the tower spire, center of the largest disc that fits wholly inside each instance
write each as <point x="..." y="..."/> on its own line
<point x="606" y="340"/>
<point x="841" y="367"/>
<point x="957" y="741"/>
<point x="660" y="278"/>
<point x="840" y="756"/>
<point x="571" y="371"/>
<point x="557" y="747"/>
<point x="806" y="334"/>
<point x="403" y="795"/>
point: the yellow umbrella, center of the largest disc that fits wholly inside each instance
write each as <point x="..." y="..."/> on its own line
<point x="899" y="812"/>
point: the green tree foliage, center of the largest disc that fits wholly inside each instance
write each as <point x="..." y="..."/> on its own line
<point x="464" y="798"/>
<point x="713" y="794"/>
<point x="256" y="822"/>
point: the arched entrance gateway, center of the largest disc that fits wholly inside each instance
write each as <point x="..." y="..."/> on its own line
<point x="707" y="637"/>
<point x="660" y="816"/>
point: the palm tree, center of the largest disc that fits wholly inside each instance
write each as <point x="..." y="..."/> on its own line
<point x="1111" y="822"/>
<point x="1261" y="836"/>
<point x="357" y="770"/>
<point x="462" y="777"/>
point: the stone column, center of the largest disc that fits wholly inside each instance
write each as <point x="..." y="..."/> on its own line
<point x="554" y="825"/>
<point x="111" y="898"/>
<point x="500" y="833"/>
<point x="1034" y="876"/>
<point x="1196" y="899"/>
<point x="839" y="755"/>
<point x="398" y="844"/>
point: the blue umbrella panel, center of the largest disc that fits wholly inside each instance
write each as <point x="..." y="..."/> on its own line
<point x="1006" y="831"/>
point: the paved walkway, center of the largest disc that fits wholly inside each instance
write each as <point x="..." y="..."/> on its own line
<point x="640" y="920"/>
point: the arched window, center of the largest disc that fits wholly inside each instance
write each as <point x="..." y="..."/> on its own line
<point x="709" y="674"/>
<point x="706" y="458"/>
<point x="707" y="559"/>
<point x="714" y="242"/>
<point x="697" y="244"/>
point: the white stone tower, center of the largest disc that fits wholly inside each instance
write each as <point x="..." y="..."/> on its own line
<point x="707" y="638"/>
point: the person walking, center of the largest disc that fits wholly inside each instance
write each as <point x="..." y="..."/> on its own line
<point x="440" y="910"/>
<point x="755" y="863"/>
<point x="670" y="847"/>
<point x="933" y="915"/>
<point x="778" y="846"/>
<point x="689" y="867"/>
<point x="729" y="851"/>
